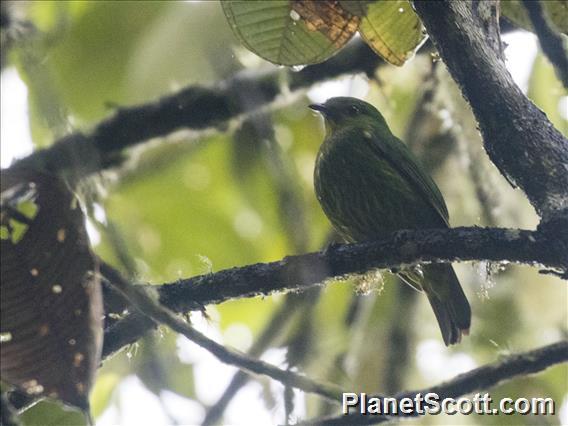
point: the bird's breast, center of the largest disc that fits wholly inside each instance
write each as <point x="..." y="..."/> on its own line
<point x="362" y="194"/>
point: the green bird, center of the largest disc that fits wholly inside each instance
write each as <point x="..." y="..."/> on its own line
<point x="369" y="184"/>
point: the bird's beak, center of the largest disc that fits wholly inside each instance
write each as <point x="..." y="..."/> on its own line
<point x="319" y="108"/>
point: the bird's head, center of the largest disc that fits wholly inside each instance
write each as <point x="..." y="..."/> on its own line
<point x="345" y="111"/>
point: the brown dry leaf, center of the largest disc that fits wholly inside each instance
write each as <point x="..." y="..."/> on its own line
<point x="329" y="18"/>
<point x="51" y="305"/>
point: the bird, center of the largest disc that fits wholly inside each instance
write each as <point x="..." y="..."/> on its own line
<point x="369" y="185"/>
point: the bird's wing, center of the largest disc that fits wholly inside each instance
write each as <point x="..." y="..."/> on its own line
<point x="401" y="159"/>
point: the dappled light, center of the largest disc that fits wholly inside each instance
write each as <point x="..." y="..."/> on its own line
<point x="166" y="187"/>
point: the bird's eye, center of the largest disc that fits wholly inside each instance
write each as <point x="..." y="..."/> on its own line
<point x="354" y="110"/>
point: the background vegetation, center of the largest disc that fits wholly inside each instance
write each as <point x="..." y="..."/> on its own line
<point x="236" y="194"/>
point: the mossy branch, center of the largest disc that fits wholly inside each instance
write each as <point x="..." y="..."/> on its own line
<point x="547" y="248"/>
<point x="528" y="150"/>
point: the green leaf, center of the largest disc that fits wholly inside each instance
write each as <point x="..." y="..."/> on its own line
<point x="253" y="313"/>
<point x="160" y="368"/>
<point x="291" y="32"/>
<point x="102" y="392"/>
<point x="50" y="413"/>
<point x="547" y="92"/>
<point x="192" y="209"/>
<point x="392" y="30"/>
<point x="86" y="56"/>
<point x="556" y="10"/>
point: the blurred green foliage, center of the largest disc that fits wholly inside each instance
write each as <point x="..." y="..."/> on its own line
<point x="556" y="12"/>
<point x="192" y="204"/>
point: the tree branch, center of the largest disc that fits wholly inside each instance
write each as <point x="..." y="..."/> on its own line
<point x="550" y="41"/>
<point x="547" y="247"/>
<point x="518" y="137"/>
<point x="271" y="331"/>
<point x="141" y="298"/>
<point x="8" y="415"/>
<point x="476" y="380"/>
<point x="195" y="107"/>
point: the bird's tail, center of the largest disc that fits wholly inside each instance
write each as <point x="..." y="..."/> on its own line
<point x="448" y="301"/>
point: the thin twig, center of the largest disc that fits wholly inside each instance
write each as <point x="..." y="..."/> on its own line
<point x="149" y="306"/>
<point x="550" y="41"/>
<point x="279" y="320"/>
<point x="476" y="380"/>
<point x="8" y="415"/>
